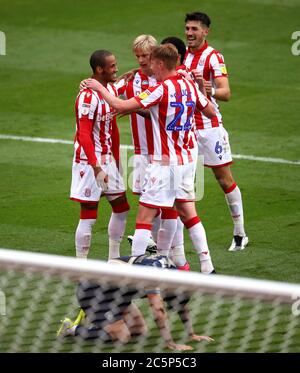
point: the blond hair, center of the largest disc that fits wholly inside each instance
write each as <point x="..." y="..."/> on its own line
<point x="144" y="42"/>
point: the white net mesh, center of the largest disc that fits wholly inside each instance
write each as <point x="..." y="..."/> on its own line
<point x="242" y="315"/>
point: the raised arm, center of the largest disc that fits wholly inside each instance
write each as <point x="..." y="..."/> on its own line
<point x="129" y="75"/>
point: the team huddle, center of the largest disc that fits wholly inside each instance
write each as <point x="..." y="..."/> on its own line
<point x="171" y="100"/>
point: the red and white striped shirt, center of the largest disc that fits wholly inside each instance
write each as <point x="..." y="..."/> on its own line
<point x="172" y="104"/>
<point x="141" y="128"/>
<point x="95" y="126"/>
<point x="211" y="64"/>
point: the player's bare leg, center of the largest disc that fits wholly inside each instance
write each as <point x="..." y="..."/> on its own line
<point x="135" y="321"/>
<point x="118" y="331"/>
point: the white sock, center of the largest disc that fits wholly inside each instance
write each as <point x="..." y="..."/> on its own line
<point x="116" y="229"/>
<point x="140" y="239"/>
<point x="178" y="256"/>
<point x="235" y="204"/>
<point x="113" y="249"/>
<point x="198" y="237"/>
<point x="177" y="249"/>
<point x="83" y="237"/>
<point x="165" y="236"/>
<point x="178" y="236"/>
<point x="155" y="227"/>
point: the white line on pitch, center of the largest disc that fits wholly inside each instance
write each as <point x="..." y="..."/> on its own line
<point x="68" y="142"/>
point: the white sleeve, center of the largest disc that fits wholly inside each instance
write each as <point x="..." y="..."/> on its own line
<point x="217" y="65"/>
<point x="151" y="96"/>
<point x="87" y="104"/>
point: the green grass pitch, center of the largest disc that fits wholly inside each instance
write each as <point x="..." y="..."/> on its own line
<point x="48" y="45"/>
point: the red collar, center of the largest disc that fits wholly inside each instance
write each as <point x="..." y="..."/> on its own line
<point x="181" y="67"/>
<point x="176" y="77"/>
<point x="199" y="51"/>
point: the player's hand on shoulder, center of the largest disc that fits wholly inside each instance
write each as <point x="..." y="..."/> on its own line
<point x="82" y="84"/>
<point x="91" y="84"/>
<point x="128" y="76"/>
<point x="184" y="73"/>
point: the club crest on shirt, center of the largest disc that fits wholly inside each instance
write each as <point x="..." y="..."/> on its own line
<point x="87" y="192"/>
<point x="153" y="180"/>
<point x="201" y="61"/>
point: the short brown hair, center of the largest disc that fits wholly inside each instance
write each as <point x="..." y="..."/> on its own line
<point x="166" y="53"/>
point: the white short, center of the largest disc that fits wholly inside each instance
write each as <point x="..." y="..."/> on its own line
<point x="213" y="145"/>
<point x="140" y="163"/>
<point x="84" y="187"/>
<point x="165" y="184"/>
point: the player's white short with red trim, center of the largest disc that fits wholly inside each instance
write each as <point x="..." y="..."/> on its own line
<point x="164" y="184"/>
<point x="84" y="186"/>
<point x="140" y="163"/>
<point x="214" y="146"/>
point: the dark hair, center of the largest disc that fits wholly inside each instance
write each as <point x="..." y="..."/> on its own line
<point x="178" y="43"/>
<point x="98" y="58"/>
<point x="198" y="16"/>
<point x="166" y="53"/>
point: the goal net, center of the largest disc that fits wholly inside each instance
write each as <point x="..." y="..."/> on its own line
<point x="240" y="314"/>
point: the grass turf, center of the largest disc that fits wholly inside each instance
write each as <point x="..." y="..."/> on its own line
<point x="48" y="45"/>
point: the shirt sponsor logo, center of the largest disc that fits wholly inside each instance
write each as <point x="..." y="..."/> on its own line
<point x="85" y="109"/>
<point x="106" y="117"/>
